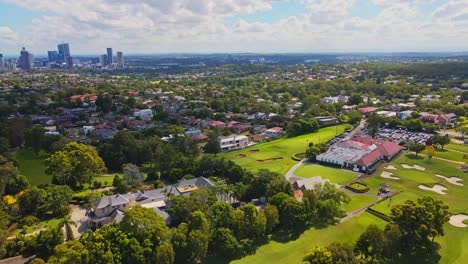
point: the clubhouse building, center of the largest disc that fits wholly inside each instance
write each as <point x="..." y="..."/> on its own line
<point x="359" y="153"/>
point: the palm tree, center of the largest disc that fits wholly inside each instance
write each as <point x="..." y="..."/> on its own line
<point x="67" y="222"/>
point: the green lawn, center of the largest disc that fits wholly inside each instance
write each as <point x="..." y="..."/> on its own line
<point x="106" y="180"/>
<point x="459" y="147"/>
<point x="282" y="148"/>
<point x="293" y="251"/>
<point x="454" y="249"/>
<point x="358" y="201"/>
<point x="32" y="166"/>
<point x="450" y="155"/>
<point x="335" y="175"/>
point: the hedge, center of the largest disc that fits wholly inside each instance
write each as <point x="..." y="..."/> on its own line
<point x="355" y="189"/>
<point x="380" y="215"/>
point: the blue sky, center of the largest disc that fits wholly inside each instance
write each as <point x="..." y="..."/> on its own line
<point x="161" y="26"/>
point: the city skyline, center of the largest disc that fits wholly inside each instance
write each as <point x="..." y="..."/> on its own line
<point x="227" y="26"/>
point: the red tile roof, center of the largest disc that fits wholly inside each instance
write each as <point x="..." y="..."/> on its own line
<point x="384" y="148"/>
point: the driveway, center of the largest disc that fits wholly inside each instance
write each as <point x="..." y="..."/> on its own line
<point x="78" y="215"/>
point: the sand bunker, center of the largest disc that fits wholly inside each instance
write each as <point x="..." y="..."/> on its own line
<point x="440" y="189"/>
<point x="269" y="160"/>
<point x="240" y="156"/>
<point x="389" y="175"/>
<point x="254" y="150"/>
<point x="452" y="180"/>
<point x="457" y="220"/>
<point x="391" y="167"/>
<point x="406" y="166"/>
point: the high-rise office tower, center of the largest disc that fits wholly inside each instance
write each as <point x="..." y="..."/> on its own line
<point x="2" y="63"/>
<point x="69" y="61"/>
<point x="25" y="59"/>
<point x="109" y="56"/>
<point x="63" y="52"/>
<point x="103" y="60"/>
<point x="53" y="55"/>
<point x="120" y="59"/>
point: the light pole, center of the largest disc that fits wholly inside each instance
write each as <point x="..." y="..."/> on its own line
<point x="307" y="147"/>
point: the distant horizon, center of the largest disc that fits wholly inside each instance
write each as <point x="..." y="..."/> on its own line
<point x="256" y="53"/>
<point x="231" y="26"/>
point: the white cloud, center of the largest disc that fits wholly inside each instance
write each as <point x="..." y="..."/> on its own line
<point x="199" y="26"/>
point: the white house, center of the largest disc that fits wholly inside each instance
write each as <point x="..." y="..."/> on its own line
<point x="233" y="142"/>
<point x="87" y="129"/>
<point x="145" y="114"/>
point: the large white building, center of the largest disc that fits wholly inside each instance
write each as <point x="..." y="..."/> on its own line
<point x="233" y="142"/>
<point x="359" y="153"/>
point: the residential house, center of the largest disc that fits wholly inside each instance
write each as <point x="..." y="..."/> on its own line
<point x="112" y="208"/>
<point x="274" y="132"/>
<point x="145" y="114"/>
<point x="233" y="142"/>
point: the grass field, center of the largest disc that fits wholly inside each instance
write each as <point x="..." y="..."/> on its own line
<point x="337" y="176"/>
<point x="358" y="201"/>
<point x="459" y="147"/>
<point x="281" y="150"/>
<point x="32" y="166"/>
<point x="454" y="247"/>
<point x="451" y="155"/>
<point x="293" y="251"/>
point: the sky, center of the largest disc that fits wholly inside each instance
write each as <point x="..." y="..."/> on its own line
<point x="218" y="26"/>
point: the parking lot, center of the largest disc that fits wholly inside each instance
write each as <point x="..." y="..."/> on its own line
<point x="400" y="134"/>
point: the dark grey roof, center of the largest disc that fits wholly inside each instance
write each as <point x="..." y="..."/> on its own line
<point x="200" y="182"/>
<point x="116" y="216"/>
<point x="114" y="200"/>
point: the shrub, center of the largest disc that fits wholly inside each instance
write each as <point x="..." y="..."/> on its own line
<point x="358" y="187"/>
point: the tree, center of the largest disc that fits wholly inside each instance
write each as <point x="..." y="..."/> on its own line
<point x="224" y="243"/>
<point x="312" y="153"/>
<point x="342" y="253"/>
<point x="272" y="217"/>
<point x="144" y="223"/>
<point x="120" y="185"/>
<point x="370" y="243"/>
<point x="430" y="150"/>
<point x="34" y="138"/>
<point x="11" y="182"/>
<point x="392" y="235"/>
<point x="75" y="165"/>
<point x="213" y="145"/>
<point x="67" y="222"/>
<point x="318" y="255"/>
<point x="463" y="130"/>
<point x="420" y="222"/>
<point x="198" y="221"/>
<point x="278" y="184"/>
<point x="354" y="99"/>
<point x="416" y="147"/>
<point x="330" y="199"/>
<point x="132" y="174"/>
<point x="71" y="252"/>
<point x="198" y="246"/>
<point x="165" y="254"/>
<point x="221" y="215"/>
<point x="354" y="117"/>
<point x="4" y="145"/>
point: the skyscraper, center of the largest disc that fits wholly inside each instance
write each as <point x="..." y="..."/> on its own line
<point x="25" y="59"/>
<point x="120" y="59"/>
<point x="53" y="56"/>
<point x="2" y="63"/>
<point x="69" y="61"/>
<point x="109" y="56"/>
<point x="63" y="52"/>
<point x="103" y="60"/>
